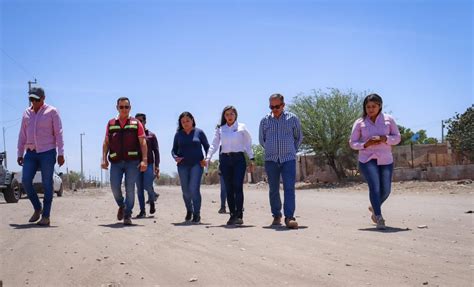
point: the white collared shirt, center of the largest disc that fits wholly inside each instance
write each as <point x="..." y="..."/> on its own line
<point x="234" y="138"/>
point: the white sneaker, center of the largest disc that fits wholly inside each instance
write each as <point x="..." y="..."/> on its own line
<point x="380" y="222"/>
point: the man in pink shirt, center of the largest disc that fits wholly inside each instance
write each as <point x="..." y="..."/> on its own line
<point x="41" y="133"/>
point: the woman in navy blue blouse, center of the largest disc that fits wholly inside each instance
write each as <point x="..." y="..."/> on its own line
<point x="187" y="152"/>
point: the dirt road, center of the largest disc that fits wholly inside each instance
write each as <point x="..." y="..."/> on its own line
<point x="335" y="246"/>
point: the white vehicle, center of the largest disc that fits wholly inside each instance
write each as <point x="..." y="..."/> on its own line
<point x="37" y="183"/>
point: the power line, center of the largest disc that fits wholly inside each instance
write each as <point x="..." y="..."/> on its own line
<point x="18" y="64"/>
<point x="9" y="121"/>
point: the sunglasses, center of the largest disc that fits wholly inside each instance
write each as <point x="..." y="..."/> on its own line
<point x="124" y="107"/>
<point x="276" y="107"/>
<point x="34" y="100"/>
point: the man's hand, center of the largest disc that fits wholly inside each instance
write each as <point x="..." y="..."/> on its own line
<point x="19" y="160"/>
<point x="143" y="166"/>
<point x="157" y="172"/>
<point x="60" y="160"/>
<point x="178" y="159"/>
<point x="104" y="164"/>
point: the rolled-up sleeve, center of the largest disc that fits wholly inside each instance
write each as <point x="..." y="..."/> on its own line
<point x="394" y="137"/>
<point x="248" y="142"/>
<point x="356" y="136"/>
<point x="22" y="137"/>
<point x="58" y="132"/>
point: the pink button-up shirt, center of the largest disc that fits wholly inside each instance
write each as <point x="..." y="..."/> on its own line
<point x="364" y="129"/>
<point x="41" y="131"/>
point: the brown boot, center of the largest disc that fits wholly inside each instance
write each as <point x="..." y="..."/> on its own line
<point x="276" y="220"/>
<point x="36" y="216"/>
<point x="291" y="223"/>
<point x="120" y="213"/>
<point x="44" y="221"/>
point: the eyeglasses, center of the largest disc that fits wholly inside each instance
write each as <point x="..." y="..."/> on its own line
<point x="34" y="100"/>
<point x="276" y="107"/>
<point x="124" y="107"/>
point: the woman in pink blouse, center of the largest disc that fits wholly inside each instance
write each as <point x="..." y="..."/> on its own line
<point x="373" y="136"/>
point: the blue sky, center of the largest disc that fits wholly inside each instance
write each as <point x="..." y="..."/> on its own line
<point x="173" y="56"/>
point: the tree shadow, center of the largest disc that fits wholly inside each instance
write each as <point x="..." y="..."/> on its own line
<point x="119" y="225"/>
<point x="30" y="225"/>
<point x="387" y="229"/>
<point x="283" y="227"/>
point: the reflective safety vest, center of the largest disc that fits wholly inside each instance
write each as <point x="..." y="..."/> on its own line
<point x="123" y="142"/>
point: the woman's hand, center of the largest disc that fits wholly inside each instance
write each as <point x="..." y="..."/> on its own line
<point x="178" y="159"/>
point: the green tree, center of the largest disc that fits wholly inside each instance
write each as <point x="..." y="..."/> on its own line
<point x="407" y="134"/>
<point x="259" y="155"/>
<point x="461" y="133"/>
<point x="326" y="120"/>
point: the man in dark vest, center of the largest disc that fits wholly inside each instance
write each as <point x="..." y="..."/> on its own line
<point x="126" y="148"/>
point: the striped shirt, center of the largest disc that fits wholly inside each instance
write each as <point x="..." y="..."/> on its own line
<point x="280" y="137"/>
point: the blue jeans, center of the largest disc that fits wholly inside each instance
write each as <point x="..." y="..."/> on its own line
<point x="287" y="170"/>
<point x="379" y="179"/>
<point x="145" y="182"/>
<point x="131" y="171"/>
<point x="43" y="161"/>
<point x="190" y="179"/>
<point x="233" y="167"/>
<point x="223" y="192"/>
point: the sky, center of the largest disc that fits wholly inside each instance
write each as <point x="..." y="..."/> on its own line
<point x="199" y="56"/>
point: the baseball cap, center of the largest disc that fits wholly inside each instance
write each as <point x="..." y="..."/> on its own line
<point x="36" y="92"/>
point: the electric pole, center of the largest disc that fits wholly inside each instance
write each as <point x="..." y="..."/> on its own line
<point x="82" y="164"/>
<point x="5" y="148"/>
<point x="442" y="131"/>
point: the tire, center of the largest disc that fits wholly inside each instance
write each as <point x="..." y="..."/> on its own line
<point x="60" y="191"/>
<point x="13" y="193"/>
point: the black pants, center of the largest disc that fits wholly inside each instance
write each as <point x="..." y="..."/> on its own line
<point x="233" y="166"/>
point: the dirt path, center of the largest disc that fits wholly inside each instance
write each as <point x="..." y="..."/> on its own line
<point x="336" y="246"/>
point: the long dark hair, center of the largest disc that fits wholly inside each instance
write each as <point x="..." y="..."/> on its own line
<point x="371" y="98"/>
<point x="223" y="121"/>
<point x="182" y="115"/>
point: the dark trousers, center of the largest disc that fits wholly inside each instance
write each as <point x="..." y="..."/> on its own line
<point x="233" y="166"/>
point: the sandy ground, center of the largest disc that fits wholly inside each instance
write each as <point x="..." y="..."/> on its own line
<point x="336" y="245"/>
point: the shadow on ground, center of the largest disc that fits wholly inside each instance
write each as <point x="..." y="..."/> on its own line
<point x="119" y="225"/>
<point x="30" y="225"/>
<point x="388" y="229"/>
<point x="283" y="228"/>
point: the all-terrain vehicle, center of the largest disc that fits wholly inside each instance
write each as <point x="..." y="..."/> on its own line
<point x="9" y="185"/>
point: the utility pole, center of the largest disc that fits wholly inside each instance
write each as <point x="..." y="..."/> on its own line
<point x="82" y="164"/>
<point x="442" y="131"/>
<point x="5" y="148"/>
<point x="29" y="88"/>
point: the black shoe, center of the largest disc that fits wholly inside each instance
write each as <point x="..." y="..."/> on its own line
<point x="222" y="210"/>
<point x="231" y="220"/>
<point x="196" y="218"/>
<point x="189" y="215"/>
<point x="127" y="220"/>
<point x="239" y="221"/>
<point x="152" y="207"/>
<point x="141" y="214"/>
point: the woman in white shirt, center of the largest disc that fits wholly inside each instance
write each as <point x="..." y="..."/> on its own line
<point x="232" y="139"/>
